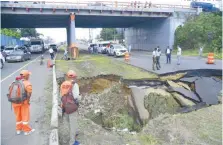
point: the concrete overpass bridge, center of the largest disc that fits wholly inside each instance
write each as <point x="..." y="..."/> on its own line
<point x="154" y="19"/>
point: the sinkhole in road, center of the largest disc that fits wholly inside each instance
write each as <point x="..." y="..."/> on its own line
<point x="110" y="100"/>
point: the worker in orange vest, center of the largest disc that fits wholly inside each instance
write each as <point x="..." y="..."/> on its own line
<point x="70" y="86"/>
<point x="22" y="110"/>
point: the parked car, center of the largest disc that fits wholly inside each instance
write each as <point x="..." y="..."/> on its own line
<point x="92" y="47"/>
<point x="117" y="50"/>
<point x="18" y="55"/>
<point x="24" y="48"/>
<point x="9" y="49"/>
<point x="2" y="58"/>
<point x="2" y="51"/>
<point x="54" y="47"/>
<point x="102" y="48"/>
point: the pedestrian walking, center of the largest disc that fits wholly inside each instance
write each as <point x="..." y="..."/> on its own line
<point x="154" y="58"/>
<point x="70" y="97"/>
<point x="130" y="47"/>
<point x="200" y="51"/>
<point x="179" y="51"/>
<point x="51" y="53"/>
<point x="168" y="55"/>
<point x="19" y="95"/>
<point x="65" y="54"/>
<point x="158" y="54"/>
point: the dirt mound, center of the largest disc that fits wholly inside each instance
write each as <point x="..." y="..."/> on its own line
<point x="157" y="104"/>
<point x="99" y="85"/>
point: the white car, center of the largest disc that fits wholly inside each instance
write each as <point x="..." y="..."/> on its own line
<point x="102" y="47"/>
<point x="117" y="50"/>
<point x="9" y="49"/>
<point x="2" y="58"/>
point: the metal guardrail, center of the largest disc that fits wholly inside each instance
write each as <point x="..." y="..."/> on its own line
<point x="101" y="5"/>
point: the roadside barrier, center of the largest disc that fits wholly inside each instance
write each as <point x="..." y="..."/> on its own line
<point x="48" y="63"/>
<point x="54" y="138"/>
<point x="210" y="58"/>
<point x="126" y="56"/>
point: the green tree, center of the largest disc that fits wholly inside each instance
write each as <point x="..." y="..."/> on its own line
<point x="29" y="32"/>
<point x="11" y="32"/>
<point x="108" y="33"/>
<point x="205" y="30"/>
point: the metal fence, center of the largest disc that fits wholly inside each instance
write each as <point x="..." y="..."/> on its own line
<point x="102" y="5"/>
<point x="7" y="41"/>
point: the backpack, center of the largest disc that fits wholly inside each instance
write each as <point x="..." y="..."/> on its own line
<point x="17" y="93"/>
<point x="70" y="105"/>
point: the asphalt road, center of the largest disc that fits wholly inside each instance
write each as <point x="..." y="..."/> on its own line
<point x="144" y="60"/>
<point x="38" y="79"/>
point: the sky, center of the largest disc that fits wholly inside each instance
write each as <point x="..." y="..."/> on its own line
<point x="59" y="34"/>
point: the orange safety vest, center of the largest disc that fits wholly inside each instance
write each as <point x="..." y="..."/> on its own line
<point x="64" y="88"/>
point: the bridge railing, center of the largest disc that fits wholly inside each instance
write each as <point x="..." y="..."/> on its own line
<point x="103" y="5"/>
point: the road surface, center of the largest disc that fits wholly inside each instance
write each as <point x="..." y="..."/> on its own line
<point x="38" y="79"/>
<point x="144" y="60"/>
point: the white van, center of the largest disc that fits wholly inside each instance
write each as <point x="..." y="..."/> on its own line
<point x="36" y="45"/>
<point x="102" y="46"/>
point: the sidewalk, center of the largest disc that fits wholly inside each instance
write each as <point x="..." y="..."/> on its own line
<point x="39" y="78"/>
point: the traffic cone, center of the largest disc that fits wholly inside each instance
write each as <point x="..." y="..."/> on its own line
<point x="49" y="63"/>
<point x="210" y="58"/>
<point x="126" y="56"/>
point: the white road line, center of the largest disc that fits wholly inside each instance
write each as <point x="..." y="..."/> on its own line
<point x="19" y="69"/>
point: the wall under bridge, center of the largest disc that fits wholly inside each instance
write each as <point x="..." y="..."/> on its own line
<point x="153" y="33"/>
<point x="10" y="41"/>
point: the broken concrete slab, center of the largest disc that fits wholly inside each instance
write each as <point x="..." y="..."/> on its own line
<point x="190" y="79"/>
<point x="184" y="85"/>
<point x="138" y="100"/>
<point x="183" y="101"/>
<point x="158" y="91"/>
<point x="173" y="84"/>
<point x="186" y="93"/>
<point x="188" y="109"/>
<point x="208" y="89"/>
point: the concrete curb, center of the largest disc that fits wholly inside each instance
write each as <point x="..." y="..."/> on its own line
<point x="54" y="115"/>
<point x="54" y="138"/>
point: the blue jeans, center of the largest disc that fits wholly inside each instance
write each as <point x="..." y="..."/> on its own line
<point x="168" y="58"/>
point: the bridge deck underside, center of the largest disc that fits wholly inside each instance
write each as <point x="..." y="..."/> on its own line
<point x="61" y="21"/>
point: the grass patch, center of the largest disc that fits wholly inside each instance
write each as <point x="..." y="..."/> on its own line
<point x="194" y="52"/>
<point x="93" y="65"/>
<point x="148" y="140"/>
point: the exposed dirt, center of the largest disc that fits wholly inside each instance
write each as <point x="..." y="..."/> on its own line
<point x="106" y="118"/>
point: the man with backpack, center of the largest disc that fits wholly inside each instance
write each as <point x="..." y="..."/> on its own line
<point x="19" y="95"/>
<point x="70" y="98"/>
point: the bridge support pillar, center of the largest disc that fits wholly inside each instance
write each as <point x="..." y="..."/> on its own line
<point x="68" y="37"/>
<point x="73" y="47"/>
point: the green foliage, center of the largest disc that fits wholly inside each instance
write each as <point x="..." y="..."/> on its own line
<point x="203" y="30"/>
<point x="29" y="32"/>
<point x="110" y="34"/>
<point x="11" y="32"/>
